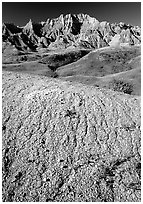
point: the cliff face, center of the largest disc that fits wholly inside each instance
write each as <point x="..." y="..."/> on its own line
<point x="78" y="30"/>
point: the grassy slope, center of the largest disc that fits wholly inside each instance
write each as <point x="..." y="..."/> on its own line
<point x="112" y="68"/>
<point x="39" y="63"/>
<point x="105" y="67"/>
<point x="101" y="62"/>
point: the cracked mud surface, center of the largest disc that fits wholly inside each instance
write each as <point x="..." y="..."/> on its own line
<point x="65" y="142"/>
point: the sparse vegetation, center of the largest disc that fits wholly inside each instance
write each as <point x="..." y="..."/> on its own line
<point x="121" y="86"/>
<point x="55" y="75"/>
<point x="57" y="60"/>
<point x="120" y="56"/>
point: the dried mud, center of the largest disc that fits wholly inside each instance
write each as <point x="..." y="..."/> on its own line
<point x="65" y="142"/>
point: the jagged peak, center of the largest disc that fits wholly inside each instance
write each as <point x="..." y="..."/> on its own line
<point x="76" y="26"/>
<point x="6" y="24"/>
<point x="81" y="17"/>
<point x="42" y="22"/>
<point x="30" y="23"/>
<point x="28" y="27"/>
<point x="3" y="25"/>
<point x="11" y="27"/>
<point x="103" y="23"/>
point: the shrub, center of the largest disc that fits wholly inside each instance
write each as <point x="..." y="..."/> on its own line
<point x="55" y="75"/>
<point x="121" y="86"/>
<point x="57" y="60"/>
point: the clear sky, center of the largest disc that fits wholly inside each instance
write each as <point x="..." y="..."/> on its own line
<point x="19" y="13"/>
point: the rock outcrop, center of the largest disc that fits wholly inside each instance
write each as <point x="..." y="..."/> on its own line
<point x="64" y="142"/>
<point x="77" y="30"/>
<point x="116" y="41"/>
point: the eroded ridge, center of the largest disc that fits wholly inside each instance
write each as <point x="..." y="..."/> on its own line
<point x="64" y="142"/>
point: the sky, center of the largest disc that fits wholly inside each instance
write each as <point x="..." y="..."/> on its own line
<point x="19" y="13"/>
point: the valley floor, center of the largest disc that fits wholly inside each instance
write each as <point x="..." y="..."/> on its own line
<point x="118" y="69"/>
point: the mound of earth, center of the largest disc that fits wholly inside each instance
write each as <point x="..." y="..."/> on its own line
<point x="118" y="69"/>
<point x="57" y="60"/>
<point x="40" y="63"/>
<point x="102" y="62"/>
<point x="65" y="142"/>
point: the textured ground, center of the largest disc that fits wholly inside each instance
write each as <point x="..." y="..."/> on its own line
<point x="103" y="61"/>
<point x="65" y="142"/>
<point x="115" y="68"/>
<point x="44" y="63"/>
<point x="118" y="69"/>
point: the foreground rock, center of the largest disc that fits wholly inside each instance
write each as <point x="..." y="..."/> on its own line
<point x="64" y="142"/>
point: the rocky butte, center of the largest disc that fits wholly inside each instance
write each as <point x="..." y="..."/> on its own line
<point x="71" y="30"/>
<point x="71" y="111"/>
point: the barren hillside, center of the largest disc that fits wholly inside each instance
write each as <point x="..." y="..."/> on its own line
<point x="117" y="68"/>
<point x="65" y="142"/>
<point x="71" y="111"/>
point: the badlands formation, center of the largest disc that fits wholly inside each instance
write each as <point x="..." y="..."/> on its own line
<point x="80" y="31"/>
<point x="71" y="111"/>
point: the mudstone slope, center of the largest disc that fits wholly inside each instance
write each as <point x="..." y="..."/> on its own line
<point x="65" y="142"/>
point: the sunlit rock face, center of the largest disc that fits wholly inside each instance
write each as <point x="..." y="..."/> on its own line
<point x="116" y="41"/>
<point x="78" y="30"/>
